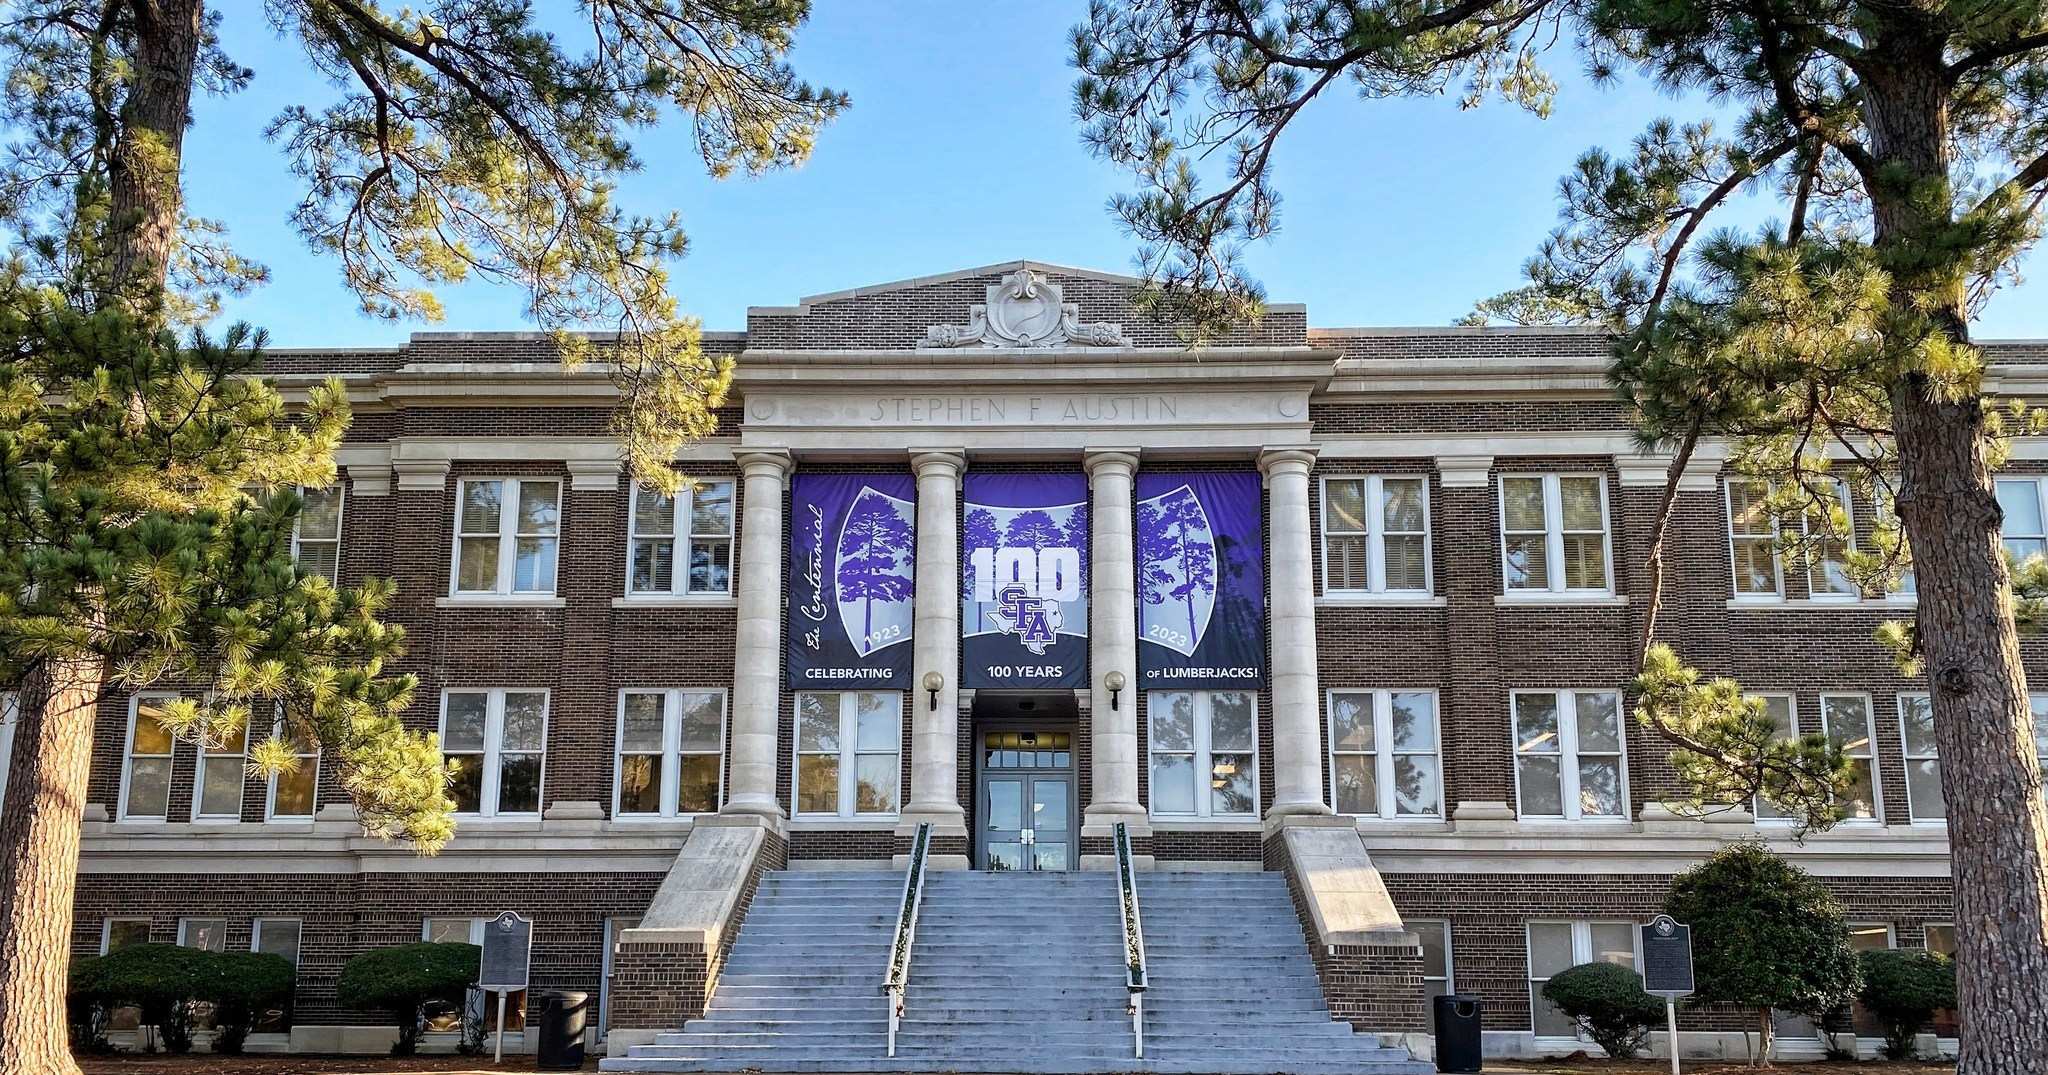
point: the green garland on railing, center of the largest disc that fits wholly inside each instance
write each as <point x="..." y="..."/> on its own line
<point x="899" y="954"/>
<point x="1127" y="894"/>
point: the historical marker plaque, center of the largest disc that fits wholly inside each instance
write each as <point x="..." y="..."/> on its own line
<point x="508" y="946"/>
<point x="1667" y="957"/>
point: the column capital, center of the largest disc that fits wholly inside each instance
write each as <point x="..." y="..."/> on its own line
<point x="1296" y="457"/>
<point x="418" y="474"/>
<point x="1464" y="471"/>
<point x="1701" y="475"/>
<point x="594" y="475"/>
<point x="369" y="479"/>
<point x="938" y="459"/>
<point x="1093" y="459"/>
<point x="770" y="462"/>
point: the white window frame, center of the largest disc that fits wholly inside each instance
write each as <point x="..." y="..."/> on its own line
<point x="683" y="538"/>
<point x="185" y="926"/>
<point x="1383" y="751"/>
<point x="2037" y="704"/>
<point x="476" y="926"/>
<point x="1870" y="732"/>
<point x="1204" y="753"/>
<point x="207" y="752"/>
<point x="1567" y="753"/>
<point x="1376" y="538"/>
<point x="128" y="756"/>
<point x="508" y="538"/>
<point x="672" y="752"/>
<point x="494" y="752"/>
<point x="849" y="754"/>
<point x="256" y="933"/>
<point x="1450" y="975"/>
<point x="2034" y="482"/>
<point x="1553" y="535"/>
<point x="1777" y="592"/>
<point x="282" y="732"/>
<point x="300" y="541"/>
<point x="1816" y="568"/>
<point x="1758" y="804"/>
<point x="107" y="930"/>
<point x="1582" y="953"/>
<point x="1907" y="758"/>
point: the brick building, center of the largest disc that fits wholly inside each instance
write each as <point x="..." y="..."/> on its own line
<point x="1449" y="525"/>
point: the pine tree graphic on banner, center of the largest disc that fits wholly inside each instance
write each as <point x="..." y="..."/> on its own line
<point x="873" y="553"/>
<point x="979" y="532"/>
<point x="1032" y="530"/>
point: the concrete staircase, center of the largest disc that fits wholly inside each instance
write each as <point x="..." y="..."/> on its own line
<point x="1020" y="973"/>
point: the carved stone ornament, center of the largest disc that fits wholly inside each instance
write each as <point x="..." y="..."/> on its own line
<point x="1025" y="310"/>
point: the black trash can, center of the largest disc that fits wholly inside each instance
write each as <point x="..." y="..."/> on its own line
<point x="562" y="1018"/>
<point x="1457" y="1032"/>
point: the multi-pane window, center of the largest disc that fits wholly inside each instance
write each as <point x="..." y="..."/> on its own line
<point x="316" y="543"/>
<point x="1783" y="713"/>
<point x="1435" y="935"/>
<point x="1555" y="947"/>
<point x="2026" y="525"/>
<point x="1204" y="732"/>
<point x="1827" y="574"/>
<point x="1569" y="754"/>
<point x="506" y="535"/>
<point x="116" y="933"/>
<point x="206" y="934"/>
<point x="1923" y="762"/>
<point x="146" y="772"/>
<point x="1383" y="753"/>
<point x="1554" y="533"/>
<point x="496" y="742"/>
<point x="291" y="794"/>
<point x="276" y="937"/>
<point x="849" y="748"/>
<point x="1753" y="540"/>
<point x="693" y="529"/>
<point x="218" y="793"/>
<point x="670" y="745"/>
<point x="1846" y="721"/>
<point x="1376" y="535"/>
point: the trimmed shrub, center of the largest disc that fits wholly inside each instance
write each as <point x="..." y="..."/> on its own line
<point x="404" y="979"/>
<point x="243" y="984"/>
<point x="87" y="1014"/>
<point x="160" y="979"/>
<point x="1765" y="936"/>
<point x="1902" y="989"/>
<point x="1608" y="1003"/>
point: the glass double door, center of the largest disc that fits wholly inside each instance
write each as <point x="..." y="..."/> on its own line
<point x="1027" y="821"/>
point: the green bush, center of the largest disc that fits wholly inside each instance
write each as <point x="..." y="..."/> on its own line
<point x="404" y="978"/>
<point x="160" y="979"/>
<point x="1765" y="936"/>
<point x="243" y="984"/>
<point x="87" y="1014"/>
<point x="1903" y="989"/>
<point x="1608" y="1003"/>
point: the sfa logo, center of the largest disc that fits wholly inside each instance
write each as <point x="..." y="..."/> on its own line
<point x="1034" y="621"/>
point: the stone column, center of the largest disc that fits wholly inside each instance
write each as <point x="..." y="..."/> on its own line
<point x="1112" y="648"/>
<point x="935" y="746"/>
<point x="757" y="649"/>
<point x="1297" y="709"/>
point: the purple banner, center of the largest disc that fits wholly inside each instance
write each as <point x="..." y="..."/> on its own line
<point x="852" y="565"/>
<point x="1024" y="581"/>
<point x="1201" y="580"/>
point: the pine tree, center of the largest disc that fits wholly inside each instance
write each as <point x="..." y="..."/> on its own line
<point x="465" y="142"/>
<point x="1906" y="145"/>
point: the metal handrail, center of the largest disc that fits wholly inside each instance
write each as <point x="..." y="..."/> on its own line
<point x="1136" y="978"/>
<point x="897" y="975"/>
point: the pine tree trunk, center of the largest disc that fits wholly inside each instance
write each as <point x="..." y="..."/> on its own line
<point x="1991" y="781"/>
<point x="39" y="823"/>
<point x="145" y="197"/>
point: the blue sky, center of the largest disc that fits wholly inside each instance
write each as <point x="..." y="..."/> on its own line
<point x="961" y="150"/>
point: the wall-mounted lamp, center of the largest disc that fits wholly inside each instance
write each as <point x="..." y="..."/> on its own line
<point x="933" y="684"/>
<point x="1115" y="682"/>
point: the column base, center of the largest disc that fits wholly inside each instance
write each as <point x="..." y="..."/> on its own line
<point x="948" y="850"/>
<point x="1275" y="822"/>
<point x="740" y="813"/>
<point x="1098" y="827"/>
<point x="1305" y="808"/>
